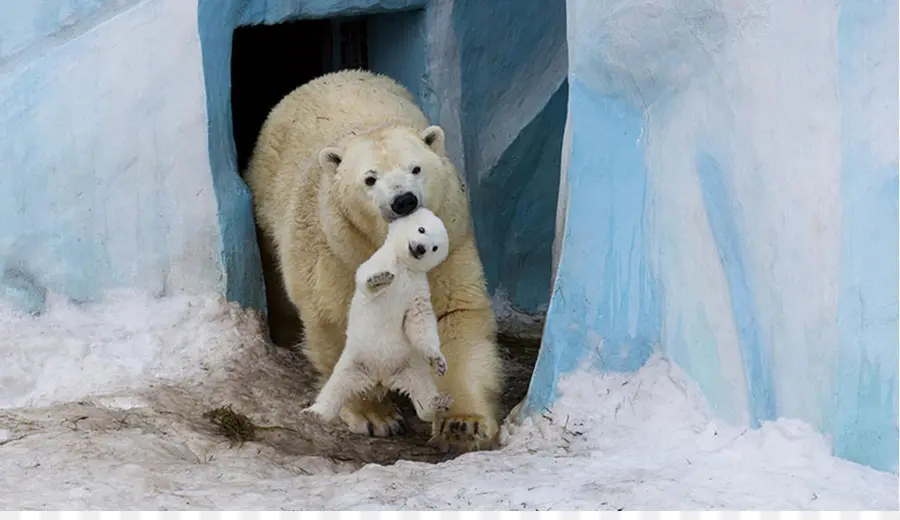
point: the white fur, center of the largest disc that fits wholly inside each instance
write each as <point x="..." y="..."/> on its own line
<point x="392" y="332"/>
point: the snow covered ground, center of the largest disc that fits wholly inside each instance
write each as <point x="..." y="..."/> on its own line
<point x="100" y="408"/>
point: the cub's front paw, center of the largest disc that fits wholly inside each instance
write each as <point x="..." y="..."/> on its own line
<point x="379" y="280"/>
<point x="439" y="363"/>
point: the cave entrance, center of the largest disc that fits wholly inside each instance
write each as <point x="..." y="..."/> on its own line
<point x="267" y="63"/>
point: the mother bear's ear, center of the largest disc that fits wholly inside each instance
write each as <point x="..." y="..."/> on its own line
<point x="330" y="158"/>
<point x="433" y="136"/>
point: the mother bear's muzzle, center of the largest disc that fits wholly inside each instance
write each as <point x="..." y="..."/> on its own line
<point x="404" y="204"/>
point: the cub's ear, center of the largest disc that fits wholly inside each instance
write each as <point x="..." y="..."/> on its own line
<point x="433" y="137"/>
<point x="330" y="158"/>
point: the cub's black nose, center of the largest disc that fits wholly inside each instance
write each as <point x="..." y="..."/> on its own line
<point x="404" y="204"/>
<point x="420" y="250"/>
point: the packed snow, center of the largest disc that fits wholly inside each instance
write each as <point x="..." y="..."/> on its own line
<point x="100" y="405"/>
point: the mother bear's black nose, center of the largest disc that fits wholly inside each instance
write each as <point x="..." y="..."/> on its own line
<point x="404" y="204"/>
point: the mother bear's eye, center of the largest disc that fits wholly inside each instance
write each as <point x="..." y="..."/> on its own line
<point x="370" y="181"/>
<point x="416" y="170"/>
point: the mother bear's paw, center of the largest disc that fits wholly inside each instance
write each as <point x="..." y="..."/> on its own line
<point x="373" y="417"/>
<point x="460" y="432"/>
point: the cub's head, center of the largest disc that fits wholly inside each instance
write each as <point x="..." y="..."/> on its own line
<point x="387" y="174"/>
<point x="420" y="240"/>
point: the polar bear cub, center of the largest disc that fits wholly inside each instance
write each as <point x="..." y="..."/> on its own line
<point x="392" y="332"/>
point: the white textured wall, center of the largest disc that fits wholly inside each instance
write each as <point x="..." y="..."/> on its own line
<point x="103" y="149"/>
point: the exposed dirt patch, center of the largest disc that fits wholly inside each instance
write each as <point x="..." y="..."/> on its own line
<point x="301" y="438"/>
<point x="265" y="387"/>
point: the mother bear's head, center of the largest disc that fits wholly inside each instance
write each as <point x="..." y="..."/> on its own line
<point x="377" y="177"/>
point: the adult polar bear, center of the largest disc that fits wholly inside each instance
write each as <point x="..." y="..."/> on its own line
<point x="336" y="160"/>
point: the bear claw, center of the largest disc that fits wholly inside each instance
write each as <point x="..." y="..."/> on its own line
<point x="439" y="363"/>
<point x="313" y="414"/>
<point x="379" y="280"/>
<point x="442" y="403"/>
<point x="463" y="433"/>
<point x="373" y="418"/>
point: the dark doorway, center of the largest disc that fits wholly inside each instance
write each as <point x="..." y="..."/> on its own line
<point x="267" y="63"/>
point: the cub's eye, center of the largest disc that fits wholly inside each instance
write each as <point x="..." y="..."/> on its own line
<point x="370" y="181"/>
<point x="434" y="248"/>
<point x="416" y="170"/>
<point x="422" y="230"/>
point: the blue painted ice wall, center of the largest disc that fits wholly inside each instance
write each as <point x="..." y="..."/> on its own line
<point x="512" y="110"/>
<point x="730" y="196"/>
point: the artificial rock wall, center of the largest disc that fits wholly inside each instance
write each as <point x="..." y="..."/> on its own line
<point x="730" y="198"/>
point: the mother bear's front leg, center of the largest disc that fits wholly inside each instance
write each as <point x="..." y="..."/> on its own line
<point x="473" y="380"/>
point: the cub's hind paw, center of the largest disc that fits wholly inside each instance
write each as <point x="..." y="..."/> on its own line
<point x="442" y="403"/>
<point x="379" y="280"/>
<point x="313" y="414"/>
<point x="438" y="363"/>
